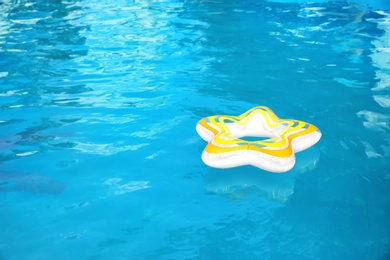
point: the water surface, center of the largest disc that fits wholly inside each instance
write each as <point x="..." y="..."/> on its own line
<point x="99" y="157"/>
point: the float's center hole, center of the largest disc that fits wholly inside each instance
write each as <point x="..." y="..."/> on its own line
<point x="254" y="138"/>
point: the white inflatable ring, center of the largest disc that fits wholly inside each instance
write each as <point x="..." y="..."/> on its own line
<point x="284" y="137"/>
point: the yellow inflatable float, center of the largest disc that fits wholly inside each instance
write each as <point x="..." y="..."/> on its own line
<point x="228" y="148"/>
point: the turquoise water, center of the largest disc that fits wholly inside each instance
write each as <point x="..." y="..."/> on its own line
<point x="99" y="157"/>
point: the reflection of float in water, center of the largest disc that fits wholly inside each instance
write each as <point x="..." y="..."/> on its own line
<point x="241" y="182"/>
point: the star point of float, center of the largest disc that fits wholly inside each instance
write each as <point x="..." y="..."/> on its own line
<point x="274" y="150"/>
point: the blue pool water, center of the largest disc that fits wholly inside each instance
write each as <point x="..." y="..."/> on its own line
<point x="99" y="154"/>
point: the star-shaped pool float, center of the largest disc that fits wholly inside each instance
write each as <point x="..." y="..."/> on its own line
<point x="276" y="140"/>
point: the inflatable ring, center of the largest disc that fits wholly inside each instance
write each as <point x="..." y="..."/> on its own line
<point x="275" y="153"/>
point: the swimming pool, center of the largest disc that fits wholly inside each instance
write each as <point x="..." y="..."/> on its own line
<point x="99" y="154"/>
